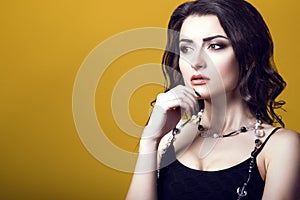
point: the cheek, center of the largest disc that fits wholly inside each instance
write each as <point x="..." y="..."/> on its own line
<point x="229" y="71"/>
<point x="185" y="70"/>
<point x="182" y="65"/>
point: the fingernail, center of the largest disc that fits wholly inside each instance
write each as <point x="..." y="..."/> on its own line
<point x="197" y="93"/>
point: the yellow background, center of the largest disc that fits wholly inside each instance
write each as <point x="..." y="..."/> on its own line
<point x="43" y="44"/>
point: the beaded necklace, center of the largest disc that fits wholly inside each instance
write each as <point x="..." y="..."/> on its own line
<point x="258" y="132"/>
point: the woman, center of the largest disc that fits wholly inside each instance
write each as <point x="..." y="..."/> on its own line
<point x="219" y="105"/>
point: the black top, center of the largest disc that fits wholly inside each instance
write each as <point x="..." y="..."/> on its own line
<point x="176" y="181"/>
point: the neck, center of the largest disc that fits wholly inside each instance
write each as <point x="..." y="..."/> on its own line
<point x="226" y="114"/>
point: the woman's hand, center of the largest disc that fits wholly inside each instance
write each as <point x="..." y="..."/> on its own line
<point x="168" y="109"/>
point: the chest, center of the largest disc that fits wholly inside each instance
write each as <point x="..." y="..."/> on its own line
<point x="176" y="181"/>
<point x="218" y="154"/>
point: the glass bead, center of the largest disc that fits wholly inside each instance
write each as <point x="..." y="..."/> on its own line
<point x="176" y="131"/>
<point x="243" y="129"/>
<point x="259" y="133"/>
<point x="241" y="192"/>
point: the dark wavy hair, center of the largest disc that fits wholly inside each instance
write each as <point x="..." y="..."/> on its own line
<point x="259" y="81"/>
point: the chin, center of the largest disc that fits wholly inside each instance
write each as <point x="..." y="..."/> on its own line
<point x="204" y="93"/>
<point x="208" y="95"/>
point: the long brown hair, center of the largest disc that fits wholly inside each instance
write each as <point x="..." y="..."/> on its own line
<point x="259" y="81"/>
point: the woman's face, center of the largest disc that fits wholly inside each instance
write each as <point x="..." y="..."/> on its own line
<point x="207" y="60"/>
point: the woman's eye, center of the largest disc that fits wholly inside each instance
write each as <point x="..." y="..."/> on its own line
<point x="186" y="49"/>
<point x="216" y="46"/>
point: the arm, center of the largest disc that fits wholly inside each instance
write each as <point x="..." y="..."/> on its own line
<point x="283" y="167"/>
<point x="143" y="184"/>
<point x="164" y="117"/>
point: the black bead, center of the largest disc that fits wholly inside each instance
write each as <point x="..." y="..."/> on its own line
<point x="243" y="129"/>
<point x="176" y="131"/>
<point x="200" y="127"/>
<point x="257" y="142"/>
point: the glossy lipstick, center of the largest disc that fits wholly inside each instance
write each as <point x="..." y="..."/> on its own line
<point x="199" y="80"/>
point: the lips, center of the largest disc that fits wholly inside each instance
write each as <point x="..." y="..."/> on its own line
<point x="199" y="79"/>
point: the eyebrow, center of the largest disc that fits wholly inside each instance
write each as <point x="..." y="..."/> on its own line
<point x="213" y="37"/>
<point x="204" y="39"/>
<point x="186" y="40"/>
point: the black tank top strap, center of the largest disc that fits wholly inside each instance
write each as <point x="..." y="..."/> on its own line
<point x="257" y="151"/>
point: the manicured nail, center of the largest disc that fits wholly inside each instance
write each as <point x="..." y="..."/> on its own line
<point x="197" y="93"/>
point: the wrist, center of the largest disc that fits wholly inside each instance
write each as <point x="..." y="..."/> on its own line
<point x="152" y="133"/>
<point x="148" y="145"/>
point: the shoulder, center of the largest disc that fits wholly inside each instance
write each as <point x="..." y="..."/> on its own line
<point x="284" y="139"/>
<point x="287" y="133"/>
<point x="282" y="163"/>
<point x="282" y="143"/>
<point x="283" y="146"/>
<point x="282" y="150"/>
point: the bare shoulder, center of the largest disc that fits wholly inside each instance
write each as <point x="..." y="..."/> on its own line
<point x="284" y="142"/>
<point x="284" y="138"/>
<point x="287" y="133"/>
<point x="282" y="152"/>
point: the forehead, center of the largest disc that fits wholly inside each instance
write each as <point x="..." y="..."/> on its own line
<point x="199" y="27"/>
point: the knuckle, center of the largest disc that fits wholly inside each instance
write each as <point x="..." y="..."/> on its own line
<point x="160" y="96"/>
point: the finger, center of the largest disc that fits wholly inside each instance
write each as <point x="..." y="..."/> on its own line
<point x="168" y="101"/>
<point x="187" y="104"/>
<point x="182" y="94"/>
<point x="197" y="94"/>
<point x="190" y="90"/>
<point x="191" y="99"/>
<point x="187" y="94"/>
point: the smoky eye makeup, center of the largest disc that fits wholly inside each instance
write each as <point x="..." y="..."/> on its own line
<point x="185" y="49"/>
<point x="217" y="45"/>
<point x="216" y="42"/>
<point x="186" y="46"/>
<point x="213" y="43"/>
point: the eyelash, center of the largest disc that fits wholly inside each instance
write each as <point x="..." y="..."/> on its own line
<point x="216" y="46"/>
<point x="184" y="49"/>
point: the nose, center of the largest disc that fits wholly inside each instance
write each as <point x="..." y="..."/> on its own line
<point x="198" y="60"/>
<point x="197" y="66"/>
